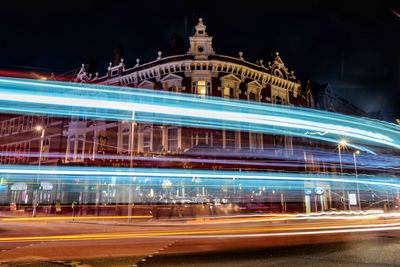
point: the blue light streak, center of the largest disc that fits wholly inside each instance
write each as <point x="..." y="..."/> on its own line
<point x="121" y="103"/>
<point x="95" y="173"/>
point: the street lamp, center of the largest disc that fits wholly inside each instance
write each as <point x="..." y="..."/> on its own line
<point x="130" y="193"/>
<point x="342" y="143"/>
<point x="355" y="172"/>
<point x="40" y="129"/>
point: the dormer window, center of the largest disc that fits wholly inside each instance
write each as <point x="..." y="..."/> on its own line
<point x="201" y="32"/>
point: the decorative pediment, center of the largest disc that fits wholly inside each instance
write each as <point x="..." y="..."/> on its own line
<point x="231" y="77"/>
<point x="171" y="77"/>
<point x="146" y="84"/>
<point x="254" y="84"/>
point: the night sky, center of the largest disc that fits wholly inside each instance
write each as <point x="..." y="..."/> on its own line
<point x="353" y="46"/>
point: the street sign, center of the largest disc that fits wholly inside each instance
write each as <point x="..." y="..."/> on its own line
<point x="19" y="187"/>
<point x="319" y="190"/>
<point x="46" y="186"/>
<point x="352" y="199"/>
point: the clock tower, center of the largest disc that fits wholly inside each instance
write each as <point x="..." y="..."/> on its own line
<point x="200" y="42"/>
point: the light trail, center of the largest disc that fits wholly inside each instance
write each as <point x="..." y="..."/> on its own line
<point x="119" y="103"/>
<point x="365" y="162"/>
<point x="215" y="233"/>
<point x="294" y="217"/>
<point x="342" y="215"/>
<point x="96" y="172"/>
<point x="61" y="218"/>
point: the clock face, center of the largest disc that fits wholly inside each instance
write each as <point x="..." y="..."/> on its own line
<point x="200" y="49"/>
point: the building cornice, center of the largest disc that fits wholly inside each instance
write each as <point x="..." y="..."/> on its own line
<point x="186" y="63"/>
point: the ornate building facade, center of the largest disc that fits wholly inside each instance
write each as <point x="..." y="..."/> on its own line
<point x="202" y="72"/>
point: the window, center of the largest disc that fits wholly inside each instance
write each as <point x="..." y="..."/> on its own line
<point x="201" y="88"/>
<point x="125" y="143"/>
<point x="278" y="100"/>
<point x="46" y="149"/>
<point x="11" y="126"/>
<point x="255" y="141"/>
<point x="80" y="144"/>
<point x="228" y="92"/>
<point x="230" y="139"/>
<point x="252" y="96"/>
<point x="147" y="139"/>
<point x="72" y="146"/>
<point x="173" y="89"/>
<point x="157" y="139"/>
<point x="172" y="139"/>
<point x="202" y="138"/>
<point x="125" y="139"/>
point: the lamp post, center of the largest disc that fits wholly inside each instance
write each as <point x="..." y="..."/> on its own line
<point x="130" y="193"/>
<point x="356" y="174"/>
<point x="341" y="144"/>
<point x="40" y="129"/>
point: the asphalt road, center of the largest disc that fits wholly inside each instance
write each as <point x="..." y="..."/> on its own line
<point x="62" y="243"/>
<point x="381" y="251"/>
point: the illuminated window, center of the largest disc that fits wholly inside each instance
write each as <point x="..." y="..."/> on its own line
<point x="201" y="88"/>
<point x="228" y="92"/>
